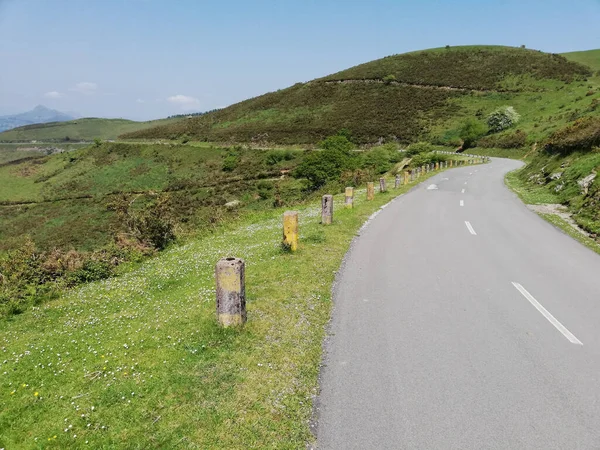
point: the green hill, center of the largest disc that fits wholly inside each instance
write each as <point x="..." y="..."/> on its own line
<point x="590" y="58"/>
<point x="78" y="130"/>
<point x="419" y="95"/>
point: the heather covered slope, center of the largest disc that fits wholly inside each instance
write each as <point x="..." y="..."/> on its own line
<point x="404" y="97"/>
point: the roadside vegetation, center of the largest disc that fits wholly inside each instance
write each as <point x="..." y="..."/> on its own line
<point x="138" y="360"/>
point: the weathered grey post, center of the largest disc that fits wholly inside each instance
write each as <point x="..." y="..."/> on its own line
<point x="349" y="203"/>
<point x="290" y="230"/>
<point x="397" y="181"/>
<point x="327" y="209"/>
<point x="231" y="292"/>
<point x="412" y="175"/>
<point x="382" y="185"/>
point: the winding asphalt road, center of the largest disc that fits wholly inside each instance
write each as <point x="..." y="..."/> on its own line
<point x="462" y="320"/>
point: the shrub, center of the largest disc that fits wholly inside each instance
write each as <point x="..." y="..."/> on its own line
<point x="380" y="159"/>
<point x="581" y="135"/>
<point x="389" y="79"/>
<point x="419" y="147"/>
<point x="502" y="119"/>
<point x="470" y="131"/>
<point x="276" y="156"/>
<point x="517" y="139"/>
<point x="338" y="142"/>
<point x="230" y="163"/>
<point x="319" y="167"/>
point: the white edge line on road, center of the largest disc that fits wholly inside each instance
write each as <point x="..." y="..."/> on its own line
<point x="462" y="192"/>
<point x="470" y="228"/>
<point x="462" y="203"/>
<point x="559" y="326"/>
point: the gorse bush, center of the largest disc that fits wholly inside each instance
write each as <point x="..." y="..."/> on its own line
<point x="583" y="134"/>
<point x="517" y="139"/>
<point x="29" y="276"/>
<point x="502" y="119"/>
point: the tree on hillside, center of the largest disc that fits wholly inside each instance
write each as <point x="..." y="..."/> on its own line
<point x="470" y="131"/>
<point x="319" y="167"/>
<point x="502" y="118"/>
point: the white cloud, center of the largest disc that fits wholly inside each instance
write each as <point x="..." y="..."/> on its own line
<point x="53" y="94"/>
<point x="85" y="87"/>
<point x="184" y="101"/>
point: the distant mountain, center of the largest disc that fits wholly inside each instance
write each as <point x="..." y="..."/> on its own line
<point x="39" y="114"/>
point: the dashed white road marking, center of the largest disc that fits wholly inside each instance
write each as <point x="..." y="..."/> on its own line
<point x="462" y="192"/>
<point x="432" y="187"/>
<point x="470" y="227"/>
<point x="465" y="182"/>
<point x="559" y="326"/>
<point x="462" y="203"/>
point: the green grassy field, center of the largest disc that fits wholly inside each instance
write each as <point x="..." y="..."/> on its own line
<point x="590" y="58"/>
<point x="86" y="129"/>
<point x="73" y="190"/>
<point x="138" y="361"/>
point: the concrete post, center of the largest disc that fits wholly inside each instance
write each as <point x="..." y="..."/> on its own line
<point x="349" y="203"/>
<point x="327" y="209"/>
<point x="450" y="163"/>
<point x="382" y="185"/>
<point x="437" y="166"/>
<point x="412" y="175"/>
<point x="405" y="177"/>
<point x="397" y="181"/>
<point x="231" y="292"/>
<point x="290" y="230"/>
<point x="370" y="191"/>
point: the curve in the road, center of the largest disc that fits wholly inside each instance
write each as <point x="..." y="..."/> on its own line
<point x="463" y="320"/>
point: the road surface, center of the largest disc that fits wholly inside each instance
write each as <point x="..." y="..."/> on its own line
<point x="462" y="320"/>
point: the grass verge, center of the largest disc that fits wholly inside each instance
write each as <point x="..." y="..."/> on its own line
<point x="536" y="195"/>
<point x="138" y="361"/>
<point x="530" y="194"/>
<point x="561" y="223"/>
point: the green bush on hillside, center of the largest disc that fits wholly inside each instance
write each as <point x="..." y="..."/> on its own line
<point x="581" y="135"/>
<point x="381" y="159"/>
<point x="502" y="119"/>
<point x="517" y="139"/>
<point x="419" y="147"/>
<point x="470" y="131"/>
<point x="319" y="167"/>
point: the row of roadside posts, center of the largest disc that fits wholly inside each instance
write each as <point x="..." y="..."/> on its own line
<point x="230" y="272"/>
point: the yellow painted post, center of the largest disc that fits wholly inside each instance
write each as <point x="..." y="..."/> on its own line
<point x="349" y="197"/>
<point x="405" y="177"/>
<point x="290" y="230"/>
<point x="437" y="166"/>
<point x="231" y="292"/>
<point x="451" y="164"/>
<point x="370" y="191"/>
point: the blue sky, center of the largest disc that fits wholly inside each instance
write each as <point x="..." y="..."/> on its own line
<point x="144" y="59"/>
